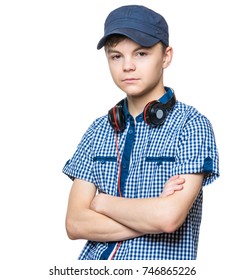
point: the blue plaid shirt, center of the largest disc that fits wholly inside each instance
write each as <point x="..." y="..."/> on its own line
<point x="184" y="144"/>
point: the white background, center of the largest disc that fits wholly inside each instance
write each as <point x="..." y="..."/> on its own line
<point x="54" y="83"/>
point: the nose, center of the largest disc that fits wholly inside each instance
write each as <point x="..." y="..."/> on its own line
<point x="128" y="64"/>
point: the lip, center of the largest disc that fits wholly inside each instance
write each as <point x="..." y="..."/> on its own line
<point x="130" y="80"/>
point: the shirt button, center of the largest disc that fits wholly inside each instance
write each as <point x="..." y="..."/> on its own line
<point x="130" y="131"/>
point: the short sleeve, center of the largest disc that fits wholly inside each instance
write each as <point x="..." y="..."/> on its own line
<point x="197" y="151"/>
<point x="80" y="166"/>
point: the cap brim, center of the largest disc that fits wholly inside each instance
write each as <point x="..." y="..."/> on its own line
<point x="139" y="37"/>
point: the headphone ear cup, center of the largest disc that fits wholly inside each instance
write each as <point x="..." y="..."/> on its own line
<point x="111" y="118"/>
<point x="116" y="117"/>
<point x="154" y="113"/>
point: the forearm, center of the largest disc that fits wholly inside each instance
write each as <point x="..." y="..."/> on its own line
<point x="141" y="215"/>
<point x="94" y="226"/>
<point x="84" y="223"/>
<point x="152" y="215"/>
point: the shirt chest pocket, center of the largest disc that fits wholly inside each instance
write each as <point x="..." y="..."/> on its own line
<point x="105" y="173"/>
<point x="157" y="171"/>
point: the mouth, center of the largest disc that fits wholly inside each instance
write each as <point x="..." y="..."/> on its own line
<point x="130" y="80"/>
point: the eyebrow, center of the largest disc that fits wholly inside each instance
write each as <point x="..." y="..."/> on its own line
<point x="111" y="50"/>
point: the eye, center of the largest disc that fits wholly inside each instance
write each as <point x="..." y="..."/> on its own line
<point x="116" y="57"/>
<point x="141" y="54"/>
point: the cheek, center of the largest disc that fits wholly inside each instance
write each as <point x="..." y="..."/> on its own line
<point x="154" y="71"/>
<point x="114" y="71"/>
<point x="158" y="66"/>
<point x="116" y="75"/>
<point x="115" y="78"/>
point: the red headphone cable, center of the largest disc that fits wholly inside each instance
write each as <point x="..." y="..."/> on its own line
<point x="118" y="187"/>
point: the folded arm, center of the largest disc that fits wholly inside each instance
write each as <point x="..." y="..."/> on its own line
<point x="84" y="222"/>
<point x="151" y="215"/>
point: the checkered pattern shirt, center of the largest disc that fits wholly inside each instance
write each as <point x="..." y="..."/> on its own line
<point x="184" y="144"/>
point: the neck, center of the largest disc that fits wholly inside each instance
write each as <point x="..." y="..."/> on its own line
<point x="137" y="104"/>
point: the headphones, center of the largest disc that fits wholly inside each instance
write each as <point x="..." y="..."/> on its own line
<point x="154" y="114"/>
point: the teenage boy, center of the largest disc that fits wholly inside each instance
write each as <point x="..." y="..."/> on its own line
<point x="138" y="172"/>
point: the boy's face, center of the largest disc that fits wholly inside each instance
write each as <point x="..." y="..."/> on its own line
<point x="137" y="70"/>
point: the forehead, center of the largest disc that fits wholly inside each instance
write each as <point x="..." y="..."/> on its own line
<point x="126" y="45"/>
<point x="120" y="42"/>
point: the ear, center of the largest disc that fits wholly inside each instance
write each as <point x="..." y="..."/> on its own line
<point x="167" y="57"/>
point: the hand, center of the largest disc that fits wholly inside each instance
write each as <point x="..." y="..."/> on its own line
<point x="175" y="183"/>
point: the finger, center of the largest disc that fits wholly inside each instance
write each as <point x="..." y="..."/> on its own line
<point x="173" y="178"/>
<point x="172" y="190"/>
<point x="176" y="181"/>
<point x="167" y="193"/>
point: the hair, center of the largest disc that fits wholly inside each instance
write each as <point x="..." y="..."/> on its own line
<point x="114" y="39"/>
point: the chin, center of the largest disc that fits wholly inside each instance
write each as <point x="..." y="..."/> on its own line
<point x="136" y="94"/>
<point x="132" y="92"/>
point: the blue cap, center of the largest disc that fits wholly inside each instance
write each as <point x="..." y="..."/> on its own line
<point x="140" y="24"/>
